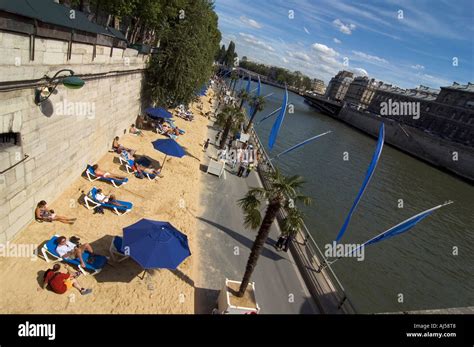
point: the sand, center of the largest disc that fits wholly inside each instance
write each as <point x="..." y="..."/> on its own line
<point x="118" y="289"/>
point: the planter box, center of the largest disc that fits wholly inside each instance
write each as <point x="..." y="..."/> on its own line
<point x="228" y="303"/>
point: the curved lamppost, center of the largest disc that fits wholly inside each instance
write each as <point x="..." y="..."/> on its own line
<point x="71" y="82"/>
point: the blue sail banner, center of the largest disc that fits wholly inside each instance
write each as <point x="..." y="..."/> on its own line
<point x="301" y="144"/>
<point x="368" y="176"/>
<point x="279" y="121"/>
<point x="400" y="228"/>
<point x="268" y="116"/>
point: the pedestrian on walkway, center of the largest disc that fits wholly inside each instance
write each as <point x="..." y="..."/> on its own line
<point x="206" y="144"/>
<point x="280" y="242"/>
<point x="287" y="243"/>
<point x="218" y="135"/>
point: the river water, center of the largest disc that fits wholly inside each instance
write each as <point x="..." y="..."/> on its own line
<point x="429" y="267"/>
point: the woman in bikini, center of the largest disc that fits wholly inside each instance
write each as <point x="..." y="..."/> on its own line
<point x="44" y="214"/>
<point x="100" y="173"/>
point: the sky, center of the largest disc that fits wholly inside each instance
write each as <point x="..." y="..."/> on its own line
<point x="404" y="42"/>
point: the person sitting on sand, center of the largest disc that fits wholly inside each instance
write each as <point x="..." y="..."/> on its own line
<point x="67" y="249"/>
<point x="135" y="131"/>
<point x="109" y="199"/>
<point x="60" y="282"/>
<point x="117" y="147"/>
<point x="169" y="130"/>
<point x="43" y="213"/>
<point x="100" y="173"/>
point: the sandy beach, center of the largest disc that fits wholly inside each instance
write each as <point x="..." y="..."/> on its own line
<point x="118" y="288"/>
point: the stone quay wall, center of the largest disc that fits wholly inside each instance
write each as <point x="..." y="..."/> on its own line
<point x="454" y="157"/>
<point x="72" y="128"/>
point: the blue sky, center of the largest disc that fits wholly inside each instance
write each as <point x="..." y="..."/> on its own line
<point x="317" y="37"/>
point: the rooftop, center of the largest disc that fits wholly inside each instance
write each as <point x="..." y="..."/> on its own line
<point x="462" y="87"/>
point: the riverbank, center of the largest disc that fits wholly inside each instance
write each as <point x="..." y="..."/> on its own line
<point x="118" y="289"/>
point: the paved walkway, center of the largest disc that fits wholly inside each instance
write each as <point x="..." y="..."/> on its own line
<point x="225" y="246"/>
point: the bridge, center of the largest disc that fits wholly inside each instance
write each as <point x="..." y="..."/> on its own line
<point x="323" y="105"/>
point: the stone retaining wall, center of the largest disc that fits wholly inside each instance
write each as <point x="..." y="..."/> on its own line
<point x="71" y="129"/>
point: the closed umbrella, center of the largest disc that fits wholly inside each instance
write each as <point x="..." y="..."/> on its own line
<point x="155" y="244"/>
<point x="158" y="112"/>
<point x="168" y="147"/>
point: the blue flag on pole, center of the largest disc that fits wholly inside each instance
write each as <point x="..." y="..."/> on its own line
<point x="300" y="144"/>
<point x="368" y="176"/>
<point x="400" y="228"/>
<point x="279" y="121"/>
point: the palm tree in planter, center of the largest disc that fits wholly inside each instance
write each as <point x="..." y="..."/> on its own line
<point x="282" y="192"/>
<point x="229" y="119"/>
<point x="257" y="104"/>
<point x="233" y="80"/>
<point x="243" y="96"/>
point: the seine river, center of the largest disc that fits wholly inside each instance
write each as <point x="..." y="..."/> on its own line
<point x="429" y="267"/>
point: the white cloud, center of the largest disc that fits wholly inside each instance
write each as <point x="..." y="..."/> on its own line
<point x="359" y="71"/>
<point x="343" y="27"/>
<point x="256" y="42"/>
<point x="336" y="40"/>
<point x="324" y="50"/>
<point x="250" y="22"/>
<point x="418" y="67"/>
<point x="370" y="58"/>
<point x="301" y="56"/>
<point x="306" y="30"/>
<point x="283" y="59"/>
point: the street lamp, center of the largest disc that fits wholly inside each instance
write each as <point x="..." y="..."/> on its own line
<point x="71" y="82"/>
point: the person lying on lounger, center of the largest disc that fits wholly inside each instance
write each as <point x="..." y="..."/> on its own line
<point x="135" y="131"/>
<point x="43" y="213"/>
<point x="107" y="199"/>
<point x="67" y="249"/>
<point x="148" y="170"/>
<point x="60" y="282"/>
<point x="100" y="173"/>
<point x="117" y="147"/>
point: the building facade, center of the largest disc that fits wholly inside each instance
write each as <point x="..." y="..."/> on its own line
<point x="448" y="113"/>
<point x="361" y="91"/>
<point x="338" y="86"/>
<point x="318" y="86"/>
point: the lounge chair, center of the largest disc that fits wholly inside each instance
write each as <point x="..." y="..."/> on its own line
<point x="159" y="130"/>
<point x="172" y="125"/>
<point x="91" y="202"/>
<point x="99" y="260"/>
<point x="128" y="163"/>
<point x="116" y="249"/>
<point x="93" y="177"/>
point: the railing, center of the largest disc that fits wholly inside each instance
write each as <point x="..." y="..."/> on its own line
<point x="309" y="255"/>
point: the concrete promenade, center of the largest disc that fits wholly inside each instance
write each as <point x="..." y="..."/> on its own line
<point x="225" y="246"/>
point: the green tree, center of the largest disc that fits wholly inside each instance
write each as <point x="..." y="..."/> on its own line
<point x="190" y="38"/>
<point x="229" y="119"/>
<point x="243" y="96"/>
<point x="230" y="55"/>
<point x="257" y="104"/>
<point x="281" y="189"/>
<point x="221" y="55"/>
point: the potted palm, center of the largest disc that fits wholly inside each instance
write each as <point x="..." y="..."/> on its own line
<point x="281" y="193"/>
<point x="230" y="120"/>
<point x="257" y="104"/>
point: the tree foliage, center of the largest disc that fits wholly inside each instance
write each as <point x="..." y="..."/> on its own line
<point x="187" y="51"/>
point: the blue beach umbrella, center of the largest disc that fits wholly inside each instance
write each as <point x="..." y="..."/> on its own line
<point x="155" y="244"/>
<point x="168" y="147"/>
<point x="158" y="112"/>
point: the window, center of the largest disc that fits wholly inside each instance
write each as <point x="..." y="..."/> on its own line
<point x="9" y="139"/>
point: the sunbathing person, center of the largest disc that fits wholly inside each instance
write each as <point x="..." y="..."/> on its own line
<point x="135" y="131"/>
<point x="148" y="170"/>
<point x="60" y="282"/>
<point x="117" y="147"/>
<point x="67" y="249"/>
<point x="100" y="173"/>
<point x="43" y="213"/>
<point x="169" y="130"/>
<point x="108" y="199"/>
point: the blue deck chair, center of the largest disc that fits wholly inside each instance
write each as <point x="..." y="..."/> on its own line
<point x="91" y="202"/>
<point x="171" y="123"/>
<point x="99" y="260"/>
<point x="126" y="161"/>
<point x="116" y="249"/>
<point x="93" y="177"/>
